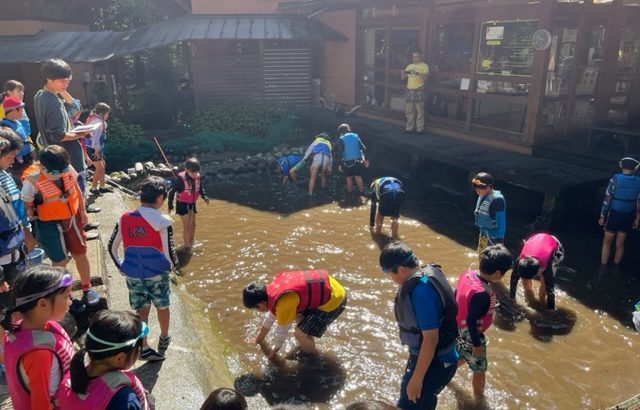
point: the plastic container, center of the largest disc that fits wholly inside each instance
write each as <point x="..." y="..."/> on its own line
<point x="36" y="256"/>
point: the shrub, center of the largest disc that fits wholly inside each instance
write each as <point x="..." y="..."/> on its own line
<point x="126" y="145"/>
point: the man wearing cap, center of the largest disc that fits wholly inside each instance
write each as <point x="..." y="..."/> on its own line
<point x="314" y="298"/>
<point x="620" y="209"/>
<point x="490" y="212"/>
<point x="14" y="109"/>
<point x="320" y="152"/>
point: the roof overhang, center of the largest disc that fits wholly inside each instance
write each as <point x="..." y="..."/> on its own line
<point x="318" y="5"/>
<point x="99" y="45"/>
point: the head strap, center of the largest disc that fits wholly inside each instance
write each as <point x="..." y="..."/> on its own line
<point x="114" y="346"/>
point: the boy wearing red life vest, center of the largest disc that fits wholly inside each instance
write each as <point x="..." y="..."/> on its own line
<point x="314" y="295"/>
<point x="188" y="188"/>
<point x="149" y="255"/>
<point x="56" y="206"/>
<point x="540" y="256"/>
<point x="477" y="301"/>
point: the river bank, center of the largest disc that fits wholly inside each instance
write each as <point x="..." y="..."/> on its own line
<point x="193" y="368"/>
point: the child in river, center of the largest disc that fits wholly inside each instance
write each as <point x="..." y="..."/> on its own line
<point x="188" y="187"/>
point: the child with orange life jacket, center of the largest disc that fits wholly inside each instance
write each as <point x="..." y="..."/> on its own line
<point x="113" y="344"/>
<point x="55" y="205"/>
<point x="37" y="350"/>
<point x="315" y="295"/>
<point x="477" y="301"/>
<point x="149" y="255"/>
<point x="188" y="188"/>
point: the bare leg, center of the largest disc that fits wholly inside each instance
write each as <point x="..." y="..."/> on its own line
<point x="527" y="284"/>
<point x="164" y="317"/>
<point x="306" y="342"/>
<point x="394" y="228"/>
<point x="359" y="183"/>
<point x="312" y="179"/>
<point x="349" y="184"/>
<point x="144" y="316"/>
<point x="379" y="222"/>
<point x="293" y="175"/>
<point x="606" y="247"/>
<point x="192" y="238"/>
<point x="542" y="292"/>
<point x="186" y="226"/>
<point x="620" y="238"/>
<point x="478" y="382"/>
<point x="84" y="268"/>
<point x="101" y="180"/>
<point x="323" y="178"/>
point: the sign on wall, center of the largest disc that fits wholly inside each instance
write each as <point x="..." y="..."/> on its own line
<point x="506" y="48"/>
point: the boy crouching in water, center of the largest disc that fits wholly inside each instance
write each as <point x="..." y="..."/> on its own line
<point x="476" y="301"/>
<point x="149" y="255"/>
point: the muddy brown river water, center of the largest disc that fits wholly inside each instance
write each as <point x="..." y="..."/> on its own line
<point x="584" y="357"/>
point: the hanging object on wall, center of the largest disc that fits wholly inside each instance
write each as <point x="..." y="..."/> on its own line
<point x="541" y="39"/>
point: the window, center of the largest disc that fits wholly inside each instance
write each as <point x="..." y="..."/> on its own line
<point x="453" y="47"/>
<point x="506" y="48"/>
<point x="561" y="60"/>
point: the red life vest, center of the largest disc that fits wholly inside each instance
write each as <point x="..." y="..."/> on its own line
<point x="100" y="391"/>
<point x="312" y="286"/>
<point x="468" y="285"/>
<point x="143" y="249"/>
<point x="540" y="246"/>
<point x="17" y="344"/>
<point x="190" y="194"/>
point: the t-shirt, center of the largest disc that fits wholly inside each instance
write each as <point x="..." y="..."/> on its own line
<point x="53" y="122"/>
<point x="428" y="309"/>
<point x="414" y="81"/>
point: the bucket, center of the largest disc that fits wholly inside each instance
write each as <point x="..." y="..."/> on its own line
<point x="36" y="256"/>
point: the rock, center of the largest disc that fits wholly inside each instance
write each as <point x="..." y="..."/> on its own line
<point x="131" y="171"/>
<point x="133" y="175"/>
<point x="139" y="168"/>
<point x="162" y="165"/>
<point x="149" y="165"/>
<point x="156" y="172"/>
<point x="125" y="178"/>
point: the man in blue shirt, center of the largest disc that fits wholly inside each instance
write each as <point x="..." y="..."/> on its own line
<point x="425" y="310"/>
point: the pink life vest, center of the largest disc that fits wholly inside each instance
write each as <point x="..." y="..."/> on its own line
<point x="100" y="391"/>
<point x="311" y="285"/>
<point x="540" y="246"/>
<point x="191" y="193"/>
<point x="468" y="285"/>
<point x="17" y="344"/>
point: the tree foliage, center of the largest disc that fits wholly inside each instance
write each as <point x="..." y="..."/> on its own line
<point x="123" y="15"/>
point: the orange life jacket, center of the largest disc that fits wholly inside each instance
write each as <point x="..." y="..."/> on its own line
<point x="56" y="204"/>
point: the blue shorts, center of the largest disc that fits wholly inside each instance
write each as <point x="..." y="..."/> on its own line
<point x="619" y="221"/>
<point x="142" y="293"/>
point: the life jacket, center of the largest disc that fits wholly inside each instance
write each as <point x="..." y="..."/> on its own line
<point x="88" y="140"/>
<point x="143" y="250"/>
<point x="410" y="333"/>
<point x="312" y="286"/>
<point x="351" y="145"/>
<point x="322" y="146"/>
<point x="542" y="247"/>
<point x="385" y="185"/>
<point x="17" y="344"/>
<point x="56" y="204"/>
<point x="11" y="233"/>
<point x="627" y="189"/>
<point x="288" y="162"/>
<point x="34" y="168"/>
<point x="470" y="284"/>
<point x="100" y="391"/>
<point x="483" y="216"/>
<point x="190" y="194"/>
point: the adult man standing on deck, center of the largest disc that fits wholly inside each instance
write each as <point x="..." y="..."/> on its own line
<point x="416" y="75"/>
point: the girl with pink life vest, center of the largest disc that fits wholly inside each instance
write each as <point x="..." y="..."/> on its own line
<point x="188" y="188"/>
<point x="476" y="302"/>
<point x="113" y="343"/>
<point x="540" y="256"/>
<point x="37" y="350"/>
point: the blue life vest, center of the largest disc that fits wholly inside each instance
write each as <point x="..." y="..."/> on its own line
<point x="385" y="185"/>
<point x="351" y="145"/>
<point x="322" y="146"/>
<point x="11" y="233"/>
<point x="484" y="221"/>
<point x="17" y="127"/>
<point x="627" y="190"/>
<point x="143" y="248"/>
<point x="288" y="162"/>
<point x="410" y="333"/>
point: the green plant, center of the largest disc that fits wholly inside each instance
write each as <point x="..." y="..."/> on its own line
<point x="126" y="144"/>
<point x="250" y="119"/>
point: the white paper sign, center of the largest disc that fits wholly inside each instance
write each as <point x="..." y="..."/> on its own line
<point x="465" y="83"/>
<point x="495" y="33"/>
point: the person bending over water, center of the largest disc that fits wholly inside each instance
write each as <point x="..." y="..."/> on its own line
<point x="315" y="297"/>
<point x="320" y="152"/>
<point x="389" y="194"/>
<point x="284" y="166"/>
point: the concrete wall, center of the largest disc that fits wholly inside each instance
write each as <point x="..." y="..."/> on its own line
<point x="337" y="59"/>
<point x="30" y="27"/>
<point x="234" y="6"/>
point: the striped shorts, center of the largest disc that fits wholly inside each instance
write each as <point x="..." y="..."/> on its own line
<point x="315" y="322"/>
